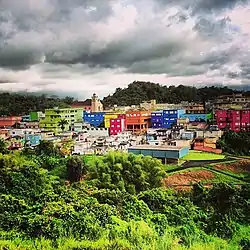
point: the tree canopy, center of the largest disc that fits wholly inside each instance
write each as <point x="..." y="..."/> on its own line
<point x="139" y="91"/>
<point x="20" y="104"/>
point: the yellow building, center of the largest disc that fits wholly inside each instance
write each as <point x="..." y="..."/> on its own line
<point x="108" y="117"/>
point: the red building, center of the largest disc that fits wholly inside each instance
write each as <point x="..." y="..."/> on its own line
<point x="236" y="120"/>
<point x="85" y="105"/>
<point x="9" y="121"/>
<point x="117" y="125"/>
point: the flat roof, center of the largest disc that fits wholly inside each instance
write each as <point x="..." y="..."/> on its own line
<point x="152" y="147"/>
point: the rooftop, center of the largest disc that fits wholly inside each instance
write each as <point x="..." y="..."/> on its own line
<point x="160" y="147"/>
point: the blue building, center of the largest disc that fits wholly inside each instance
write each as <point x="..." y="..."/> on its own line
<point x="168" y="154"/>
<point x="33" y="140"/>
<point x="157" y="119"/>
<point x="195" y="117"/>
<point x="166" y="118"/>
<point x="95" y="119"/>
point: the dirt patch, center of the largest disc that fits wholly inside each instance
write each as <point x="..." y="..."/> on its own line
<point x="236" y="167"/>
<point x="190" y="177"/>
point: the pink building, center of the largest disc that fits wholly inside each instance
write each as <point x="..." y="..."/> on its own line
<point x="236" y="120"/>
<point x="117" y="125"/>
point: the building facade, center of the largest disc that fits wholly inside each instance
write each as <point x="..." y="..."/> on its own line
<point x="117" y="126"/>
<point x="196" y="117"/>
<point x="84" y="105"/>
<point x="235" y="120"/>
<point x="166" y="118"/>
<point x="108" y="117"/>
<point x="53" y="117"/>
<point x="94" y="118"/>
<point x="96" y="104"/>
<point x="9" y="121"/>
<point x="194" y="108"/>
<point x="138" y="121"/>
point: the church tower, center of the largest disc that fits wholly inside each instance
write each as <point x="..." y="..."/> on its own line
<point x="96" y="105"/>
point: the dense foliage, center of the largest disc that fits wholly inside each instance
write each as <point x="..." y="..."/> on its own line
<point x="118" y="204"/>
<point x="236" y="143"/>
<point x="137" y="92"/>
<point x="20" y="104"/>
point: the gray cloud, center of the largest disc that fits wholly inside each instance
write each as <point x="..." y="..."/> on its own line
<point x="57" y="40"/>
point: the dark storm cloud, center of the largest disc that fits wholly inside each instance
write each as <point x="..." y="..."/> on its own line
<point x="176" y="38"/>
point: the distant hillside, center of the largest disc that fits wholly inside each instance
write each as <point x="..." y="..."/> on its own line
<point x="19" y="104"/>
<point x="137" y="92"/>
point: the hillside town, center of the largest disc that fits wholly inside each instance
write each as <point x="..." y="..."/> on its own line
<point x="163" y="130"/>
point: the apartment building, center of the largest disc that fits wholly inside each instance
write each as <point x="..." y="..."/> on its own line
<point x="94" y="118"/>
<point x="53" y="117"/>
<point x="166" y="118"/>
<point x="236" y="120"/>
<point x="117" y="125"/>
<point x="138" y="121"/>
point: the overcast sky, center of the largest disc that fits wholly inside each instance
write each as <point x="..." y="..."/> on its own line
<point x="78" y="47"/>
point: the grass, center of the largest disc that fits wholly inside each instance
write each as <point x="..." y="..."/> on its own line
<point x="194" y="155"/>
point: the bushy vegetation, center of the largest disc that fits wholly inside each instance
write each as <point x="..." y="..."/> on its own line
<point x="236" y="143"/>
<point x="139" y="91"/>
<point x="113" y="202"/>
<point x="20" y="104"/>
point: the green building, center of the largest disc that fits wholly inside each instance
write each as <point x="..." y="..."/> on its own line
<point x="36" y="116"/>
<point x="54" y="117"/>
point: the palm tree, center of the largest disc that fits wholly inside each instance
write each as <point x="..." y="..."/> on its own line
<point x="62" y="124"/>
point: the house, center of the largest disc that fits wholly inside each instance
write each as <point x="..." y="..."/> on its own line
<point x="168" y="154"/>
<point x="194" y="108"/>
<point x="235" y="120"/>
<point x="9" y="121"/>
<point x="138" y="121"/>
<point x="4" y="134"/>
<point x="117" y="126"/>
<point x="54" y="116"/>
<point x="84" y="105"/>
<point x="94" y="118"/>
<point x="98" y="132"/>
<point x="237" y="101"/>
<point x="30" y="124"/>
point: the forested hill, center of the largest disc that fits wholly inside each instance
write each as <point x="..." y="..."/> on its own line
<point x="137" y="92"/>
<point x="20" y="104"/>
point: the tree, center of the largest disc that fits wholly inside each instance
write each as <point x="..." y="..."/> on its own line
<point x="123" y="171"/>
<point x="3" y="147"/>
<point x="62" y="124"/>
<point x="47" y="148"/>
<point x="75" y="169"/>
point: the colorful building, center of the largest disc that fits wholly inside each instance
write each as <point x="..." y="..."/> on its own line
<point x="53" y="117"/>
<point x="236" y="120"/>
<point x="111" y="115"/>
<point x="94" y="118"/>
<point x="9" y="121"/>
<point x="138" y="121"/>
<point x="84" y="105"/>
<point x="196" y="117"/>
<point x="166" y="118"/>
<point x="26" y="118"/>
<point x="194" y="108"/>
<point x="117" y="125"/>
